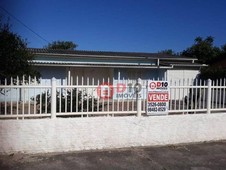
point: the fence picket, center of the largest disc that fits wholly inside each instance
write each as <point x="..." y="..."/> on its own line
<point x="224" y="97"/>
<point x="186" y="96"/>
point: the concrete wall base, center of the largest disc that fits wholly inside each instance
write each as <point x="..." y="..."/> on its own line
<point x="73" y="134"/>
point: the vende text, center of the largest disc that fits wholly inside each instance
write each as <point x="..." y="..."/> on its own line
<point x="158" y="97"/>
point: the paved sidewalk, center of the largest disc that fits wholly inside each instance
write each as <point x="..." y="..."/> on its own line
<point x="202" y="156"/>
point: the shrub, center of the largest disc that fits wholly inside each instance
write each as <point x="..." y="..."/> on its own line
<point x="70" y="101"/>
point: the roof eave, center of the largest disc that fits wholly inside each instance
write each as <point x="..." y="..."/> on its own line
<point x="101" y="65"/>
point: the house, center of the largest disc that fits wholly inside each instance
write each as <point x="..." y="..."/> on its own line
<point x="108" y="66"/>
<point x="98" y="67"/>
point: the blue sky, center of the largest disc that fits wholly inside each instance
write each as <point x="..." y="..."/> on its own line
<point x="119" y="25"/>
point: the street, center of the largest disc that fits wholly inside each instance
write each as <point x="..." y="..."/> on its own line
<point x="203" y="156"/>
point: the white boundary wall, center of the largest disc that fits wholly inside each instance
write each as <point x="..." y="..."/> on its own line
<point x="71" y="134"/>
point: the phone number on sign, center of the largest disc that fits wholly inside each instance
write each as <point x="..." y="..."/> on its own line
<point x="157" y="104"/>
<point x="157" y="109"/>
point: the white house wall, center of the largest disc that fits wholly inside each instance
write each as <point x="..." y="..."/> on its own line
<point x="99" y="75"/>
<point x="179" y="74"/>
<point x="182" y="77"/>
<point x="134" y="74"/>
<point x="47" y="73"/>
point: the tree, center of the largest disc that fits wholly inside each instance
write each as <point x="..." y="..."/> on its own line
<point x="168" y="52"/>
<point x="207" y="53"/>
<point x="216" y="69"/>
<point x="15" y="60"/>
<point x="62" y="45"/>
<point x="203" y="50"/>
<point x="212" y="73"/>
<point x="221" y="56"/>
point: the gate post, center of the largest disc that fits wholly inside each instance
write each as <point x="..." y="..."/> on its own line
<point x="209" y="97"/>
<point x="138" y="98"/>
<point x="53" y="98"/>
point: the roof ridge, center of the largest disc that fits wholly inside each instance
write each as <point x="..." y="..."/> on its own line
<point x="100" y="51"/>
<point x="108" y="53"/>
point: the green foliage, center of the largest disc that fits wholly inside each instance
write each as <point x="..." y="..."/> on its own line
<point x="168" y="52"/>
<point x="62" y="45"/>
<point x="224" y="48"/>
<point x="203" y="50"/>
<point x="43" y="99"/>
<point x="207" y="53"/>
<point x="71" y="101"/>
<point x="221" y="58"/>
<point x="15" y="60"/>
<point x="213" y="73"/>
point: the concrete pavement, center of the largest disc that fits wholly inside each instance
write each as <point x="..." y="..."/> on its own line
<point x="203" y="156"/>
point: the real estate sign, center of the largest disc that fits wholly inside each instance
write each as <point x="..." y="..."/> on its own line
<point x="157" y="97"/>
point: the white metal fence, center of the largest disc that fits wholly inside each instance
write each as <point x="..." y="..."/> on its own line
<point x="20" y="99"/>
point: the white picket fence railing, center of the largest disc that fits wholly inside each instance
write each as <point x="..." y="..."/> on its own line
<point x="31" y="99"/>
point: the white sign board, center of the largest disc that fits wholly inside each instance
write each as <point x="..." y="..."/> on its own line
<point x="157" y="97"/>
